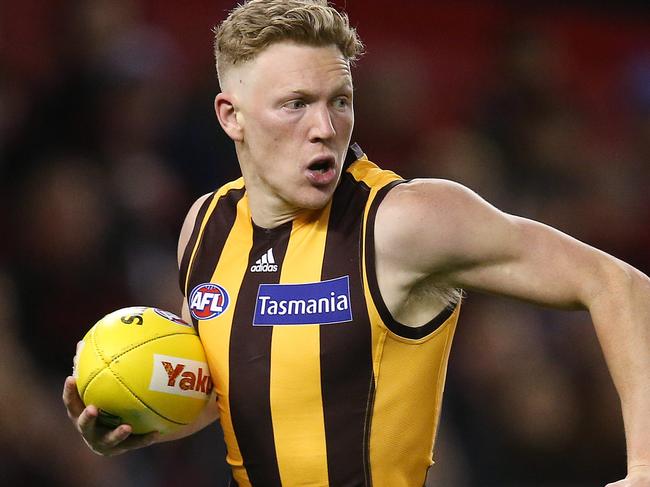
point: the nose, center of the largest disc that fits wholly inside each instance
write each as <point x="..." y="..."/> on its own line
<point x="322" y="127"/>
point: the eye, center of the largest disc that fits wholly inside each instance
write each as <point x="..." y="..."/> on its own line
<point x="341" y="102"/>
<point x="295" y="104"/>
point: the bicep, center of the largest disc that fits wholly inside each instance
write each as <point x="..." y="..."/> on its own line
<point x="528" y="260"/>
<point x="185" y="311"/>
<point x="188" y="226"/>
<point x="456" y="239"/>
<point x="183" y="240"/>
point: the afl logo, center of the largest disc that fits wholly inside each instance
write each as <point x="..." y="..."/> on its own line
<point x="208" y="300"/>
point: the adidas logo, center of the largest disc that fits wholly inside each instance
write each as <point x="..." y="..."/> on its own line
<point x="266" y="263"/>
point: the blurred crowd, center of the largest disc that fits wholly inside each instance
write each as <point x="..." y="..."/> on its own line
<point x="107" y="136"/>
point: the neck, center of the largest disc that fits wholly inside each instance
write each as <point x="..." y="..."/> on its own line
<point x="268" y="212"/>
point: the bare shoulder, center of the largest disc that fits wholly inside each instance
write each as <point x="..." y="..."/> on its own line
<point x="427" y="198"/>
<point x="423" y="224"/>
<point x="415" y="236"/>
<point x="188" y="225"/>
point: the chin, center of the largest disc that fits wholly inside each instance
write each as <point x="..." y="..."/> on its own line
<point x="316" y="201"/>
<point x="314" y="204"/>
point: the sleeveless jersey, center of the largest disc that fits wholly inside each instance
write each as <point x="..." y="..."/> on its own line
<point x="317" y="384"/>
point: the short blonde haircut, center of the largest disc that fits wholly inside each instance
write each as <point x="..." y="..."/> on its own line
<point x="255" y="24"/>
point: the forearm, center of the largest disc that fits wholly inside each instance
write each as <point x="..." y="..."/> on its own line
<point x="621" y="314"/>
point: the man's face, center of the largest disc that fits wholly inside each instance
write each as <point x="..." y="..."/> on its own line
<point x="294" y="104"/>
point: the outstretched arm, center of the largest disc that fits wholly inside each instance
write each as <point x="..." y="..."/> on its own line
<point x="456" y="239"/>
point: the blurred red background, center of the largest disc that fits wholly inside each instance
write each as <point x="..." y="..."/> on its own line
<point x="107" y="136"/>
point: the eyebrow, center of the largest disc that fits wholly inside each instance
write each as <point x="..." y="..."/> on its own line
<point x="346" y="87"/>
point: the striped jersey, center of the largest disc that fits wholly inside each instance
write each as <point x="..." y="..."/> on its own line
<point x="317" y="384"/>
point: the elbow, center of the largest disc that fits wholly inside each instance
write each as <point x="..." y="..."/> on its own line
<point x="613" y="279"/>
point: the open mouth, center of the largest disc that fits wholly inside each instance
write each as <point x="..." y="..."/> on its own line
<point x="322" y="171"/>
<point x="322" y="165"/>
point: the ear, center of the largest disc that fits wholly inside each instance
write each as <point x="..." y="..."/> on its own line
<point x="226" y="111"/>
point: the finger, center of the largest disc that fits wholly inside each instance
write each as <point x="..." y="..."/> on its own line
<point x="140" y="441"/>
<point x="87" y="421"/>
<point x="116" y="436"/>
<point x="71" y="399"/>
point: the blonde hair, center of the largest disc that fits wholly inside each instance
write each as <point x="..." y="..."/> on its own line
<point x="255" y="24"/>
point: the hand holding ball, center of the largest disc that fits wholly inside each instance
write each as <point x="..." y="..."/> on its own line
<point x="144" y="367"/>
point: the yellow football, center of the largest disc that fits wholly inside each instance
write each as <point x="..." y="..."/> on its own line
<point x="145" y="367"/>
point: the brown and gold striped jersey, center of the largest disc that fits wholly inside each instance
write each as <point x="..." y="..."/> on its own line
<point x="317" y="384"/>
